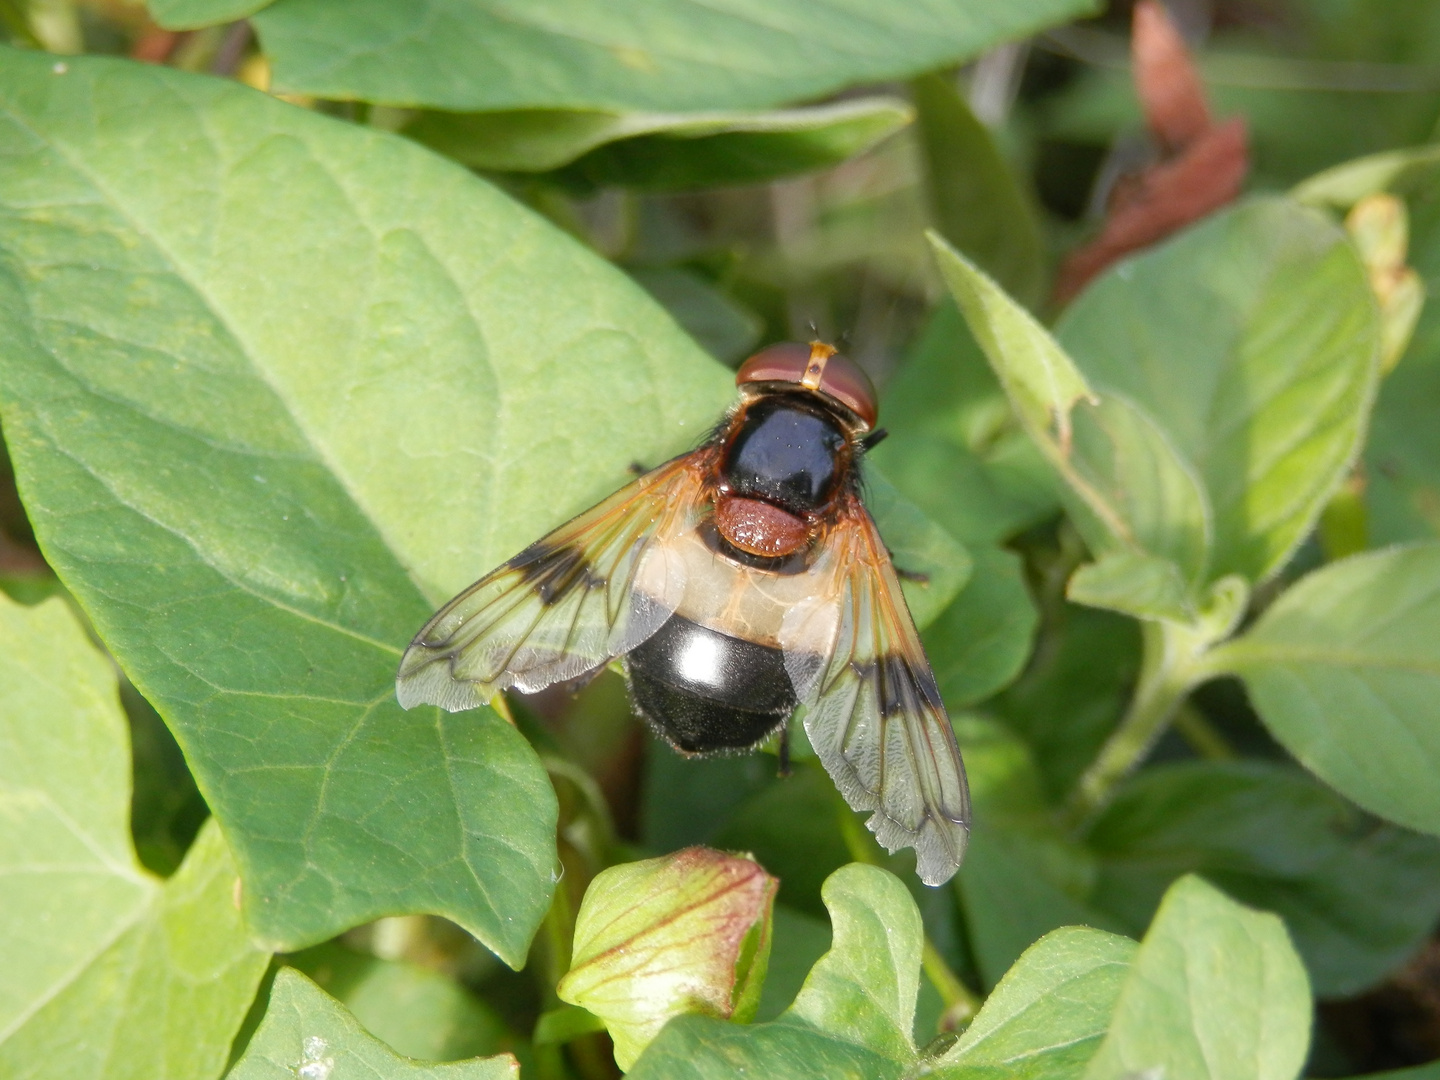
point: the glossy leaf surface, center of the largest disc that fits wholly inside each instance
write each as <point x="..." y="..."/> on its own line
<point x="640" y="54"/>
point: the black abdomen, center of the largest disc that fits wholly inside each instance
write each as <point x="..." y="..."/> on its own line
<point x="704" y="691"/>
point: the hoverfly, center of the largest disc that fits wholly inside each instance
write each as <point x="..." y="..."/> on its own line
<point x="736" y="582"/>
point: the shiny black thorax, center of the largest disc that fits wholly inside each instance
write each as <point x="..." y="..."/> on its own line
<point x="704" y="691"/>
<point x="787" y="451"/>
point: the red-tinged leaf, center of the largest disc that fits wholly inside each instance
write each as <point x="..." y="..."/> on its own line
<point x="1163" y="200"/>
<point x="666" y="936"/>
<point x="1166" y="79"/>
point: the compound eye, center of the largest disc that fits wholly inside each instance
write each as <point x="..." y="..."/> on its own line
<point x="839" y="377"/>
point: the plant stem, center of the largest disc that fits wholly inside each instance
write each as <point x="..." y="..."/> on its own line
<point x="961" y="1003"/>
<point x="1166" y="675"/>
<point x="1204" y="738"/>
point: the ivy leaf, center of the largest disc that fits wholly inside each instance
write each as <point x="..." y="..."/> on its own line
<point x="669" y="55"/>
<point x="306" y="1033"/>
<point x="1345" y="671"/>
<point x="260" y="452"/>
<point x="109" y="972"/>
<point x="1215" y="992"/>
<point x="1048" y="1014"/>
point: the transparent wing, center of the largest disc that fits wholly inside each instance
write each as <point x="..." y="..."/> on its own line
<point x="572" y="601"/>
<point x="872" y="710"/>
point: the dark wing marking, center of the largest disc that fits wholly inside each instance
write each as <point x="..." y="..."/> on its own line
<point x="566" y="605"/>
<point x="872" y="710"/>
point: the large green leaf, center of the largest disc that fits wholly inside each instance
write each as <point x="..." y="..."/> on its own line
<point x="1215" y="992"/>
<point x="977" y="202"/>
<point x="261" y="439"/>
<point x="1049" y="1013"/>
<point x="639" y="54"/>
<point x="1357" y="897"/>
<point x="306" y="1033"/>
<point x="702" y="1048"/>
<point x="108" y="972"/>
<point x="1345" y="671"/>
<point x="1251" y="341"/>
<point x="663" y="151"/>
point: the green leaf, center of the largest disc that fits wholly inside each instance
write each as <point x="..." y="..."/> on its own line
<point x="108" y="972"/>
<point x="978" y="204"/>
<point x="1215" y="992"/>
<point x="1048" y="1014"/>
<point x="1071" y="696"/>
<point x="307" y="1033"/>
<point x="1130" y="488"/>
<point x="727" y="330"/>
<point x="935" y="565"/>
<point x="1042" y="382"/>
<point x="1251" y="341"/>
<point x="1345" y="671"/>
<point x="703" y="1048"/>
<point x="1135" y="584"/>
<point x="188" y="14"/>
<point x="1357" y="897"/>
<point x="668" y="55"/>
<point x="261" y="452"/>
<point x="663" y="151"/>
<point x="979" y="643"/>
<point x="863" y="990"/>
<point x="955" y="446"/>
<point x="415" y="1010"/>
<point x="1022" y="877"/>
<point x="1399" y="171"/>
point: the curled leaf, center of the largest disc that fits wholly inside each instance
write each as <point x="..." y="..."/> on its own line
<point x="684" y="933"/>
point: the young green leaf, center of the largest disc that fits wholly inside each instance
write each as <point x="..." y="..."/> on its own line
<point x="663" y="151"/>
<point x="1131" y="491"/>
<point x="1252" y="342"/>
<point x="864" y="988"/>
<point x="1133" y="583"/>
<point x="1215" y="992"/>
<point x="1358" y="897"/>
<point x="1342" y="186"/>
<point x="1345" y="671"/>
<point x="666" y="55"/>
<point x="260" y="451"/>
<point x="704" y="1048"/>
<point x="108" y="971"/>
<point x="1048" y="1014"/>
<point x="308" y="1034"/>
<point x="978" y="204"/>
